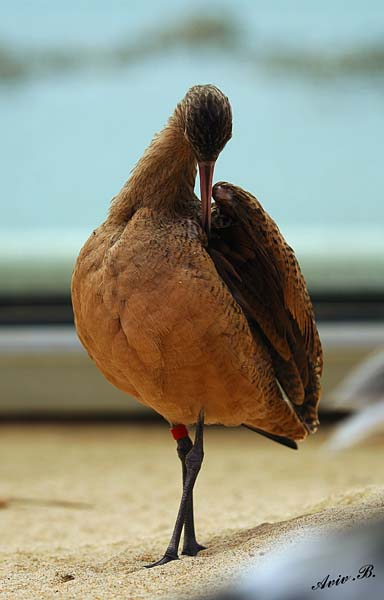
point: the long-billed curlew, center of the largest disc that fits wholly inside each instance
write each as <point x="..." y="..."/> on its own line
<point x="203" y="316"/>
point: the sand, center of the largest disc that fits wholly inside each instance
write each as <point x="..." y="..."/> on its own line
<point x="84" y="508"/>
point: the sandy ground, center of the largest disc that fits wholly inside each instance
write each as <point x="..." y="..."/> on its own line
<point x="250" y="493"/>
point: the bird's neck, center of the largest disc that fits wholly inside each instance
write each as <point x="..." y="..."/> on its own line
<point x="164" y="177"/>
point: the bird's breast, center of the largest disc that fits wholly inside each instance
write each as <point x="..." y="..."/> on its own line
<point x="160" y="324"/>
<point x="140" y="295"/>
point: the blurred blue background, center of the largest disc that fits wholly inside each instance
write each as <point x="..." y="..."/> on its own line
<point x="84" y="85"/>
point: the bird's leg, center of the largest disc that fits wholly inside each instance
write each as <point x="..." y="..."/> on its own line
<point x="193" y="461"/>
<point x="184" y="444"/>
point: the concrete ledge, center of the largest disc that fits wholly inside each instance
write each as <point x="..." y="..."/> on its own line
<point x="45" y="369"/>
<point x="63" y="339"/>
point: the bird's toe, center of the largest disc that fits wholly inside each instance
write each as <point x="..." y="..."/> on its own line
<point x="168" y="556"/>
<point x="192" y="549"/>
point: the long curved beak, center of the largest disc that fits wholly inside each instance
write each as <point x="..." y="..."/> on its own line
<point x="206" y="177"/>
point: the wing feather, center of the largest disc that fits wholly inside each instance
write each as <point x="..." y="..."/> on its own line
<point x="262" y="272"/>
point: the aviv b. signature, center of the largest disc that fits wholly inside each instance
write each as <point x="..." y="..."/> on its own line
<point x="364" y="572"/>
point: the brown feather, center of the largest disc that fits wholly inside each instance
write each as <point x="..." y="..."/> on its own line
<point x="271" y="290"/>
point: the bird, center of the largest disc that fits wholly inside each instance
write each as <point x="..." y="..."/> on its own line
<point x="198" y="310"/>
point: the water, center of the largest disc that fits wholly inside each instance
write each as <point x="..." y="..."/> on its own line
<point x="310" y="148"/>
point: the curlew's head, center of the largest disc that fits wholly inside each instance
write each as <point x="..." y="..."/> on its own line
<point x="208" y="121"/>
<point x="208" y="127"/>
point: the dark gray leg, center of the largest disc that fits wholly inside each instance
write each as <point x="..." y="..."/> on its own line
<point x="193" y="461"/>
<point x="190" y="546"/>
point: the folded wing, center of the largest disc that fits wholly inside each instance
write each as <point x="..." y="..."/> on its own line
<point x="263" y="275"/>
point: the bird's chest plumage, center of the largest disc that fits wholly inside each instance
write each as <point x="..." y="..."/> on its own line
<point x="137" y="302"/>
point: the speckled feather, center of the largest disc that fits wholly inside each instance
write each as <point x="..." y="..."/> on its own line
<point x="271" y="289"/>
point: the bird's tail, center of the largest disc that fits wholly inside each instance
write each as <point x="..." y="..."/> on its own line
<point x="276" y="438"/>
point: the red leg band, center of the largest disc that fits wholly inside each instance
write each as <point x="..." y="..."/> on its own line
<point x="179" y="432"/>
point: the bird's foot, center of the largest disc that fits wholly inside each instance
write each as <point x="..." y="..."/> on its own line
<point x="168" y="556"/>
<point x="192" y="549"/>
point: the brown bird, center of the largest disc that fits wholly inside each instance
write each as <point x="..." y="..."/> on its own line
<point x="205" y="317"/>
